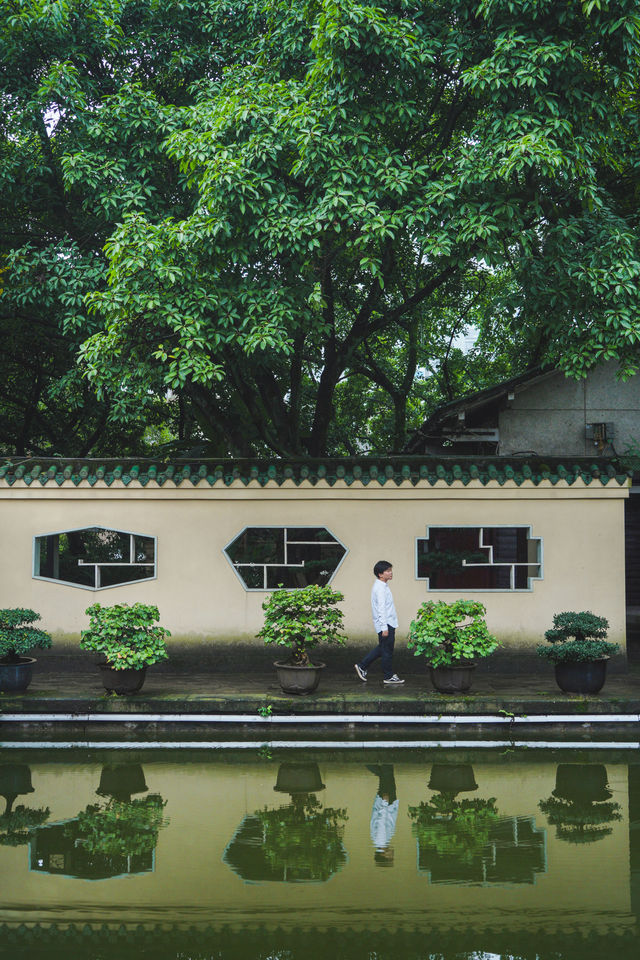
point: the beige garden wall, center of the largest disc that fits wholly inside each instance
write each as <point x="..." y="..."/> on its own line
<point x="200" y="597"/>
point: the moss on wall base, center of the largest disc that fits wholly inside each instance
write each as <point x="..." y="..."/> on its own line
<point x="198" y="653"/>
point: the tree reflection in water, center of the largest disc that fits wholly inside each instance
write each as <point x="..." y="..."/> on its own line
<point x="296" y="843"/>
<point x="468" y="841"/>
<point x="578" y="806"/>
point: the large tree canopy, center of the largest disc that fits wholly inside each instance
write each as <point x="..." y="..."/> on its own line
<point x="87" y="92"/>
<point x="302" y="203"/>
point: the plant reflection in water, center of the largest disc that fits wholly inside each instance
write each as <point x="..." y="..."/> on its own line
<point x="297" y="843"/>
<point x="578" y="806"/>
<point x="17" y="826"/>
<point x="106" y="839"/>
<point x="468" y="841"/>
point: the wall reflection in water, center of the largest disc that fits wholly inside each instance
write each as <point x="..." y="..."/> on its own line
<point x="509" y="852"/>
<point x="108" y="839"/>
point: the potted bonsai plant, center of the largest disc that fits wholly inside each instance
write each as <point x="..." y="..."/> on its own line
<point x="301" y="619"/>
<point x="579" y="651"/>
<point x="450" y="636"/>
<point x="130" y="640"/>
<point x="17" y="637"/>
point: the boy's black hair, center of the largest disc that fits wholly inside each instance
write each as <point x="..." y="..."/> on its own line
<point x="381" y="566"/>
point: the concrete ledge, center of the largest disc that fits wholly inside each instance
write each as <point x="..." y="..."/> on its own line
<point x="204" y="705"/>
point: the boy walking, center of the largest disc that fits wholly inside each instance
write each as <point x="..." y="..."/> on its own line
<point x="385" y="621"/>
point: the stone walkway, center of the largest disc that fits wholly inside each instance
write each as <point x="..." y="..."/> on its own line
<point x="179" y="691"/>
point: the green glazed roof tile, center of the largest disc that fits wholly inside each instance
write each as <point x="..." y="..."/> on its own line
<point x="364" y="470"/>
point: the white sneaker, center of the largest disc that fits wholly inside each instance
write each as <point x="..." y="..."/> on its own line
<point x="394" y="680"/>
<point x="361" y="673"/>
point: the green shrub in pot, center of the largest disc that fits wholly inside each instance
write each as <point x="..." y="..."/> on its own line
<point x="130" y="640"/>
<point x="301" y="619"/>
<point x="126" y="634"/>
<point x="450" y="636"/>
<point x="447" y="633"/>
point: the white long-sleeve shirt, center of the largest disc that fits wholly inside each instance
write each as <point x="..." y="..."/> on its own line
<point x="382" y="607"/>
<point x="383" y="821"/>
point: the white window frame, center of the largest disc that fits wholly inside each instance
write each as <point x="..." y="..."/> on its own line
<point x="111" y="586"/>
<point x="482" y="546"/>
<point x="289" y="566"/>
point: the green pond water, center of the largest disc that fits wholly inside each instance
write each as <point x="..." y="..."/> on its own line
<point x="323" y="853"/>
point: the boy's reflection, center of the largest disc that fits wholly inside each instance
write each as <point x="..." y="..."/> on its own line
<point x="384" y="814"/>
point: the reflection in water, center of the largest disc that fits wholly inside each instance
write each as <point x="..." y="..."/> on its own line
<point x="318" y="944"/>
<point x="467" y="841"/>
<point x="105" y="840"/>
<point x="577" y="807"/>
<point x="295" y="843"/>
<point x="17" y="826"/>
<point x="294" y="778"/>
<point x="479" y="870"/>
<point x="452" y="836"/>
<point x="383" y="814"/>
<point x="452" y="778"/>
<point x="120" y="781"/>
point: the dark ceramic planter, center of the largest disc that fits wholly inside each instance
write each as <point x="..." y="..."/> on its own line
<point x="298" y="680"/>
<point x="16" y="677"/>
<point x="299" y="778"/>
<point x="582" y="782"/>
<point x="122" y="682"/>
<point x="15" y="780"/>
<point x="121" y="781"/>
<point x="581" y="677"/>
<point x="453" y="678"/>
<point x="452" y="778"/>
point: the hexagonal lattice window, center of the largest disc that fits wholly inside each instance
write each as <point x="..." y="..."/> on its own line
<point x="266" y="558"/>
<point x="94" y="557"/>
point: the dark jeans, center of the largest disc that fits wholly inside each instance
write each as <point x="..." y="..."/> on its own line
<point x="384" y="650"/>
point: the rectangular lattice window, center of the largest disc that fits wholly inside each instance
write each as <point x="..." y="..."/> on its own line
<point x="479" y="558"/>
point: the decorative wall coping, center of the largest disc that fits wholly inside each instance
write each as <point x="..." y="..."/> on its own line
<point x="364" y="470"/>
